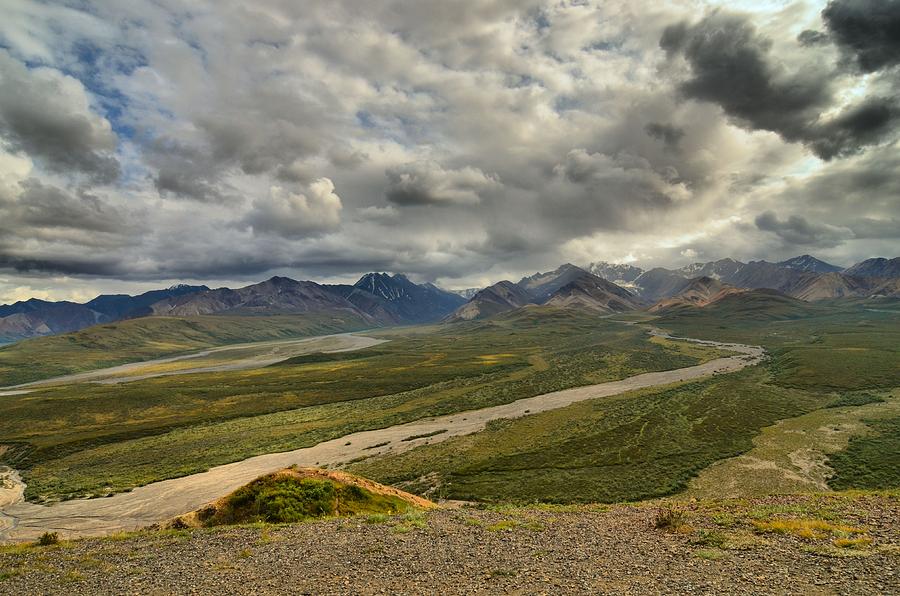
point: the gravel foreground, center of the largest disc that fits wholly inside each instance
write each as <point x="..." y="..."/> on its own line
<point x="529" y="550"/>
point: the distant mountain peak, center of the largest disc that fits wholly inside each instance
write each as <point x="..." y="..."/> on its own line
<point x="622" y="274"/>
<point x="809" y="263"/>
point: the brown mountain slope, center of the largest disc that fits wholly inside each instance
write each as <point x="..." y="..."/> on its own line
<point x="591" y="292"/>
<point x="840" y="285"/>
<point x="500" y="297"/>
<point x="698" y="292"/>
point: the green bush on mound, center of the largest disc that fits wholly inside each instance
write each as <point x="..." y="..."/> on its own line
<point x="288" y="499"/>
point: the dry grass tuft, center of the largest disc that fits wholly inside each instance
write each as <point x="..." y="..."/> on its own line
<point x="670" y="519"/>
<point x="810" y="529"/>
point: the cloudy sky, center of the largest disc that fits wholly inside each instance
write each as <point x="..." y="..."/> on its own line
<point x="462" y="142"/>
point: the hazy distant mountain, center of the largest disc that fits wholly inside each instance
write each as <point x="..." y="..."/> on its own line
<point x="278" y="295"/>
<point x="468" y="292"/>
<point x="721" y="269"/>
<point x="399" y="299"/>
<point x="794" y="277"/>
<point x="762" y="274"/>
<point x="618" y="274"/>
<point x="698" y="292"/>
<point x="567" y="286"/>
<point x="500" y="297"/>
<point x="659" y="283"/>
<point x="594" y="293"/>
<point x="839" y="285"/>
<point x="123" y="306"/>
<point x="33" y="317"/>
<point x="382" y="299"/>
<point x="877" y="267"/>
<point x="809" y="263"/>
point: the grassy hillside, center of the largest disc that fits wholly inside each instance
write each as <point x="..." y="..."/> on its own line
<point x="88" y="438"/>
<point x="871" y="461"/>
<point x="628" y="447"/>
<point x="841" y="347"/>
<point x="150" y="337"/>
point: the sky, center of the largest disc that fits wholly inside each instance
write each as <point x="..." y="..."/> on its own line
<point x="460" y="142"/>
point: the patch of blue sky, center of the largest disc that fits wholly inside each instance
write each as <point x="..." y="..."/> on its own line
<point x="96" y="67"/>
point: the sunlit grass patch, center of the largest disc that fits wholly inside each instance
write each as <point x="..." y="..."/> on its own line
<point x="810" y="529"/>
<point x="854" y="543"/>
<point x="510" y="525"/>
<point x="710" y="554"/>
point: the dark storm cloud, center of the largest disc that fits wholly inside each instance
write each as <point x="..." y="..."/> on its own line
<point x="797" y="231"/>
<point x="668" y="134"/>
<point x="731" y="64"/>
<point x="867" y="30"/>
<point x="866" y="123"/>
<point x="45" y="114"/>
<point x="62" y="264"/>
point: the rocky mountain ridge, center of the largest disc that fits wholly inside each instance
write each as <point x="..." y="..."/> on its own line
<point x="567" y="286"/>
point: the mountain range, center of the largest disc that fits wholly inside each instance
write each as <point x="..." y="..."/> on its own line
<point x="803" y="277"/>
<point x="377" y="299"/>
<point x="33" y="317"/>
<point x="380" y="299"/>
<point x="567" y="286"/>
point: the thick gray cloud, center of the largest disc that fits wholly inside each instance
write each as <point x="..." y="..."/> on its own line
<point x="428" y="183"/>
<point x="732" y="64"/>
<point x="461" y="143"/>
<point x="798" y="231"/>
<point x="46" y="114"/>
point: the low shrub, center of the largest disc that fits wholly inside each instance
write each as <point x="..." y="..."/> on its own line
<point x="48" y="539"/>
